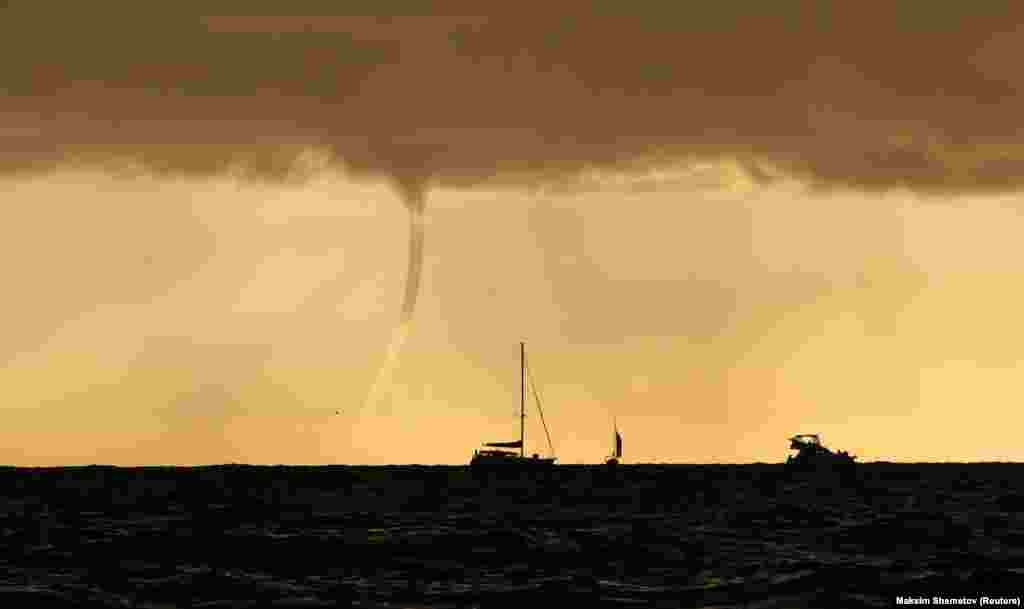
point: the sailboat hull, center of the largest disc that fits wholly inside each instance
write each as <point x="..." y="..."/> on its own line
<point x="500" y="459"/>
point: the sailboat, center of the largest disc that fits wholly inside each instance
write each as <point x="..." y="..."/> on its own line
<point x="617" y="451"/>
<point x="490" y="457"/>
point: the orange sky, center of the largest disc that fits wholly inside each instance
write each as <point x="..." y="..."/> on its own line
<point x="721" y="223"/>
<point x="214" y="321"/>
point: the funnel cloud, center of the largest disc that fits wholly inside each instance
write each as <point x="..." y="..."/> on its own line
<point x="413" y="196"/>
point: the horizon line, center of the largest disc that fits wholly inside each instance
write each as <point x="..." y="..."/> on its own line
<point x="466" y="465"/>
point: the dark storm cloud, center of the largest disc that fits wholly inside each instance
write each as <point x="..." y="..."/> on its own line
<point x="911" y="93"/>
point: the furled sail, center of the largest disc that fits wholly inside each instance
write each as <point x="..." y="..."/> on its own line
<point x="618" y="445"/>
<point x="516" y="444"/>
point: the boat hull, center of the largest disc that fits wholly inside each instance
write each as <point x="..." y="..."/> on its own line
<point x="813" y="457"/>
<point x="516" y="462"/>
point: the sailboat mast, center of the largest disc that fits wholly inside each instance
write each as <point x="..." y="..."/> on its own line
<point x="522" y="399"/>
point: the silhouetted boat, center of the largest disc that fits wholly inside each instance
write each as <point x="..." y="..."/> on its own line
<point x="489" y="457"/>
<point x="613" y="459"/>
<point x="812" y="455"/>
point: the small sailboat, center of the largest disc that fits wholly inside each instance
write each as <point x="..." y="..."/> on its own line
<point x="489" y="457"/>
<point x="613" y="459"/>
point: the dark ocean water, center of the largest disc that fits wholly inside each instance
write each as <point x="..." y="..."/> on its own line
<point x="641" y="536"/>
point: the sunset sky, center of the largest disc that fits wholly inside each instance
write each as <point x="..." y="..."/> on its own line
<point x="722" y="226"/>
